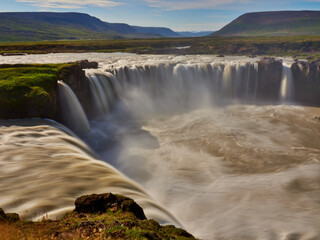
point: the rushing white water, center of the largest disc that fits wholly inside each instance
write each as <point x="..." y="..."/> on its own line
<point x="287" y="87"/>
<point x="243" y="172"/>
<point x="72" y="112"/>
<point x="43" y="170"/>
<point x="176" y="126"/>
<point x="188" y="86"/>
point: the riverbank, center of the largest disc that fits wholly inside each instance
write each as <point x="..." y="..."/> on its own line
<point x="295" y="46"/>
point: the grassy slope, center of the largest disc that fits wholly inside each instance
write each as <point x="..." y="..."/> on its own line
<point x="283" y="23"/>
<point x="286" y="46"/>
<point x="15" y="27"/>
<point x="119" y="225"/>
<point x="25" y="87"/>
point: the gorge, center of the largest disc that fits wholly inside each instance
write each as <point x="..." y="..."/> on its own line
<point x="228" y="148"/>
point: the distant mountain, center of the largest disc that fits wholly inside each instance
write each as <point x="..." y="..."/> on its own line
<point x="195" y="34"/>
<point x="282" y="23"/>
<point x="161" y="31"/>
<point x="33" y="26"/>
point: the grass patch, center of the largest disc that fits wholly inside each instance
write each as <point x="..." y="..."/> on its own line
<point x="277" y="46"/>
<point x="28" y="89"/>
<point x="119" y="225"/>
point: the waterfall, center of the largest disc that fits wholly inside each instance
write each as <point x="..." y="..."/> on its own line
<point x="168" y="86"/>
<point x="287" y="88"/>
<point x="105" y="90"/>
<point x="72" y="112"/>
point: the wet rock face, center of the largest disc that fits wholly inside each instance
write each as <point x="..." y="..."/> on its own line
<point x="307" y="82"/>
<point x="101" y="203"/>
<point x="269" y="78"/>
<point x="79" y="84"/>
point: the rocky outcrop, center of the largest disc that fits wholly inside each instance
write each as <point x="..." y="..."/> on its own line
<point x="9" y="217"/>
<point x="307" y="82"/>
<point x="86" y="64"/>
<point x="30" y="90"/>
<point x="101" y="203"/>
<point x="269" y="78"/>
<point x="96" y="216"/>
<point x="75" y="77"/>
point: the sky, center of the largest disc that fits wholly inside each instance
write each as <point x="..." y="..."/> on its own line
<point x="179" y="15"/>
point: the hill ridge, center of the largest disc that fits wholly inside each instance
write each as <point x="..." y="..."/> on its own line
<point x="273" y="23"/>
<point x="35" y="26"/>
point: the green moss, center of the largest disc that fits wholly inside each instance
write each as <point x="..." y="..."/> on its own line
<point x="26" y="90"/>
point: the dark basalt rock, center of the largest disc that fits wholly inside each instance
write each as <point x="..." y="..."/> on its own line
<point x="77" y="81"/>
<point x="101" y="203"/>
<point x="307" y="81"/>
<point x="3" y="216"/>
<point x="86" y="64"/>
<point x="13" y="217"/>
<point x="269" y="77"/>
<point x="10" y="217"/>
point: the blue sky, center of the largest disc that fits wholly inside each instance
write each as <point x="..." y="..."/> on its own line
<point x="179" y="15"/>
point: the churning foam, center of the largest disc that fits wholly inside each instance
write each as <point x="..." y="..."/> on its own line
<point x="233" y="172"/>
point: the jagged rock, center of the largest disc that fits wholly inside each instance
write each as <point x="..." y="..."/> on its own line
<point x="269" y="77"/>
<point x="100" y="203"/>
<point x="11" y="217"/>
<point x="307" y="81"/>
<point x="86" y="64"/>
<point x="77" y="81"/>
<point x="3" y="216"/>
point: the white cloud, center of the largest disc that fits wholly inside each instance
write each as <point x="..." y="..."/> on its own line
<point x="192" y="4"/>
<point x="70" y="3"/>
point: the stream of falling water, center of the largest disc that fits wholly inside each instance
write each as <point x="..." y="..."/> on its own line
<point x="225" y="171"/>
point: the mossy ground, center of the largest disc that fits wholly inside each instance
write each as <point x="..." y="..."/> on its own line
<point x="25" y="87"/>
<point x="119" y="225"/>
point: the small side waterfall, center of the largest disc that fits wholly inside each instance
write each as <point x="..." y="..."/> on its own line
<point x="72" y="112"/>
<point x="287" y="86"/>
<point x="105" y="89"/>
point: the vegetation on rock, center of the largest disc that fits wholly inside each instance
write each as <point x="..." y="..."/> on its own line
<point x="29" y="90"/>
<point x="120" y="223"/>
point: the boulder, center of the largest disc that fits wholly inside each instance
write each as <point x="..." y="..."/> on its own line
<point x="3" y="216"/>
<point x="101" y="203"/>
<point x="86" y="64"/>
<point x="11" y="217"/>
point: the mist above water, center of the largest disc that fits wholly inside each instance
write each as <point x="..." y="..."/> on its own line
<point x="226" y="170"/>
<point x="190" y="131"/>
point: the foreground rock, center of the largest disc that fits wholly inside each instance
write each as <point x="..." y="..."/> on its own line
<point x="8" y="217"/>
<point x="101" y="203"/>
<point x="96" y="216"/>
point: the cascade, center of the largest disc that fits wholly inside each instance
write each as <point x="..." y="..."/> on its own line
<point x="287" y="88"/>
<point x="72" y="112"/>
<point x="186" y="86"/>
<point x="56" y="168"/>
<point x="174" y="125"/>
